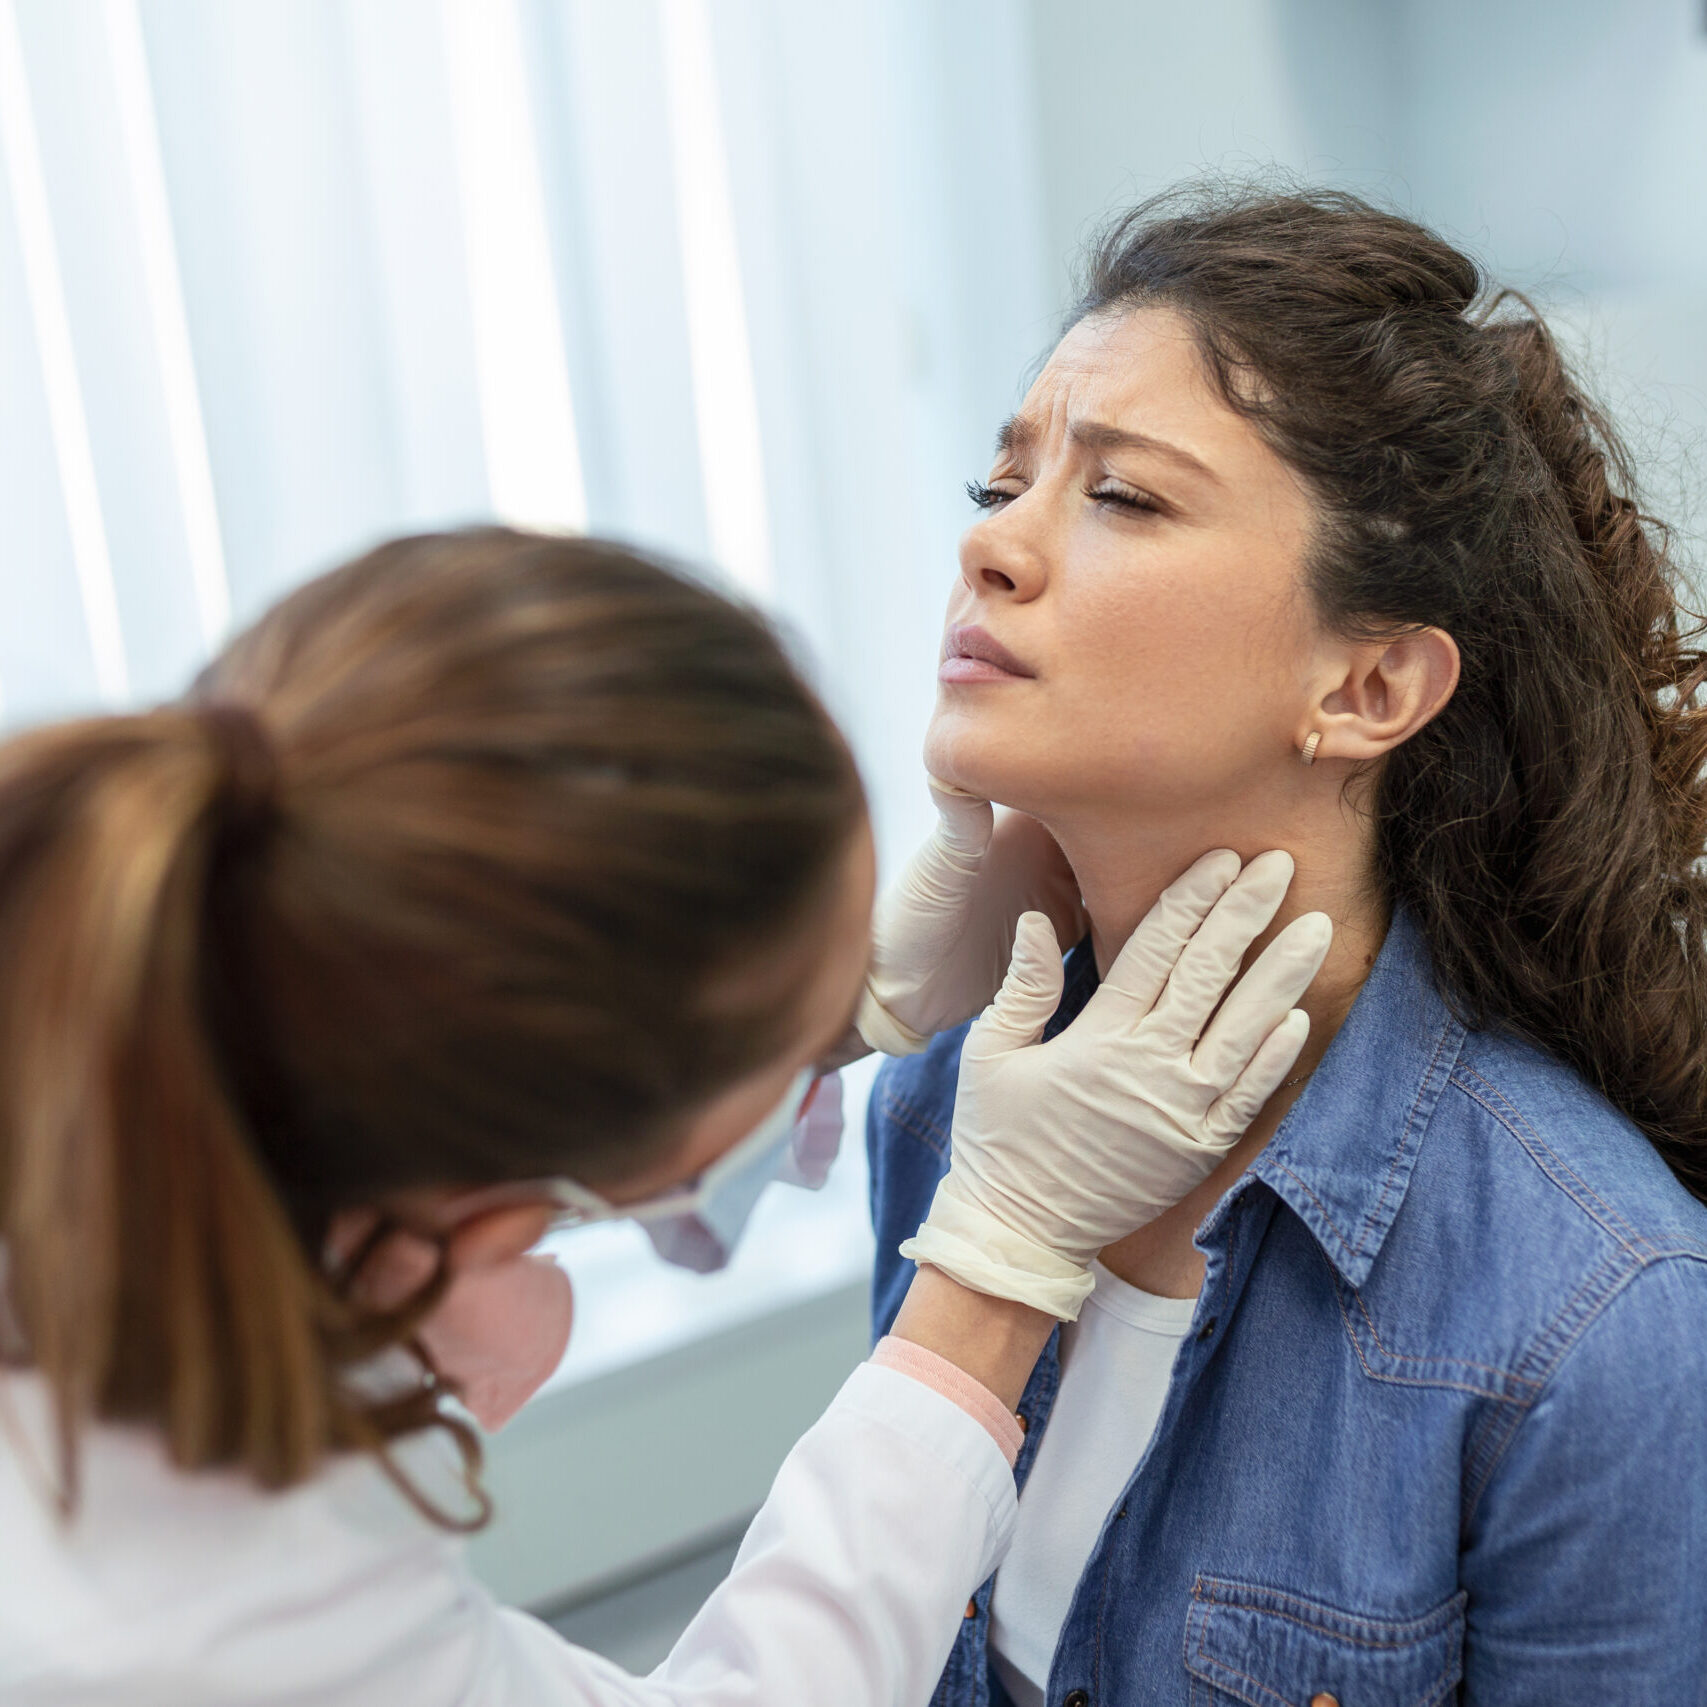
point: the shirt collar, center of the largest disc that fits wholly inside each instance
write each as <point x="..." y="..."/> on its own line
<point x="1343" y="1156"/>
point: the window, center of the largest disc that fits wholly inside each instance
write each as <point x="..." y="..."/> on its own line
<point x="279" y="279"/>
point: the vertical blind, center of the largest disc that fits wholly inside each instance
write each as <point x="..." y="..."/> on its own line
<point x="747" y="280"/>
<point x="750" y="281"/>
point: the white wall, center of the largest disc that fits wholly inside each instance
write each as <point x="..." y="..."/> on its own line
<point x="1563" y="141"/>
<point x="1132" y="96"/>
<point x="1566" y="140"/>
<point x="895" y="268"/>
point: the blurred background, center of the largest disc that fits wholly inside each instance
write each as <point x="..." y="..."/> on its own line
<point x="748" y="281"/>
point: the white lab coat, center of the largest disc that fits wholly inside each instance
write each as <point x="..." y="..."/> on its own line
<point x="171" y="1590"/>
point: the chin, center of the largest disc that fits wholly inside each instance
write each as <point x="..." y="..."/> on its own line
<point x="979" y="760"/>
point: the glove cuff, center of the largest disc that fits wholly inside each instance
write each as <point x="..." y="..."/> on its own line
<point x="972" y="1246"/>
<point x="882" y="1031"/>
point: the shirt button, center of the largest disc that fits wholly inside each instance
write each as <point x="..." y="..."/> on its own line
<point x="1324" y="1699"/>
<point x="972" y="1612"/>
<point x="1203" y="1333"/>
<point x="1078" y="1698"/>
<point x="1024" y="1423"/>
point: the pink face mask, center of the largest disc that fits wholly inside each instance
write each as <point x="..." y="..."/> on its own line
<point x="498" y="1332"/>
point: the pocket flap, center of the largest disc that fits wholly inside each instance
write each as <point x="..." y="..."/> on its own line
<point x="1275" y="1649"/>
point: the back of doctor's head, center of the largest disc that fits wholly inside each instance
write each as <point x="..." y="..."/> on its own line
<point x="425" y="882"/>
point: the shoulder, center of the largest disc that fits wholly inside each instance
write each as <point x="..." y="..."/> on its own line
<point x="1578" y="1166"/>
<point x="1534" y="1208"/>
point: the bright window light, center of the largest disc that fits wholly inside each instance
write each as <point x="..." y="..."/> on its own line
<point x="725" y="403"/>
<point x="186" y="435"/>
<point x="533" y="463"/>
<point x="67" y="422"/>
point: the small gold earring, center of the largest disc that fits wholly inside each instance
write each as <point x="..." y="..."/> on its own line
<point x="1310" y="746"/>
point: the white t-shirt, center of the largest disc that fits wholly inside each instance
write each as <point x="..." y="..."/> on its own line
<point x="1116" y="1362"/>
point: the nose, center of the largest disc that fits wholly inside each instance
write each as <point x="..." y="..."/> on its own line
<point x="1001" y="554"/>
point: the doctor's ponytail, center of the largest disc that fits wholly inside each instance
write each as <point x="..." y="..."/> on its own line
<point x="431" y="881"/>
<point x="128" y="1171"/>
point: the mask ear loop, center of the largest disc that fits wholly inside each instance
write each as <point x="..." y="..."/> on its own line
<point x="378" y="1424"/>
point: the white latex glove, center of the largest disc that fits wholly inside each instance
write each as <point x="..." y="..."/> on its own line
<point x="944" y="930"/>
<point x="1061" y="1148"/>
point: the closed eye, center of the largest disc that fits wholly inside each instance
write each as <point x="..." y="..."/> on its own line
<point x="1124" y="497"/>
<point x="1115" y="492"/>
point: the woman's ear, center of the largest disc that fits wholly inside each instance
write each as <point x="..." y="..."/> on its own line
<point x="473" y="1239"/>
<point x="492" y="1237"/>
<point x="1382" y="693"/>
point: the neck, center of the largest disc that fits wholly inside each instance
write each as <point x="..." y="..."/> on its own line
<point x="1122" y="864"/>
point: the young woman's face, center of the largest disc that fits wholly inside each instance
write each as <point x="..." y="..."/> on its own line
<point x="1130" y="623"/>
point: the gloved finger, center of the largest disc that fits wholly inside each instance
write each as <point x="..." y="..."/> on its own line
<point x="1210" y="961"/>
<point x="1141" y="969"/>
<point x="1029" y="995"/>
<point x="1261" y="999"/>
<point x="965" y="821"/>
<point x="1231" y="1114"/>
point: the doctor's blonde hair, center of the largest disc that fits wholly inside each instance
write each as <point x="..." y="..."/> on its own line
<point x="424" y="883"/>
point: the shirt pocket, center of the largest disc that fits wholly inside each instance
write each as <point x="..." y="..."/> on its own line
<point x="1264" y="1648"/>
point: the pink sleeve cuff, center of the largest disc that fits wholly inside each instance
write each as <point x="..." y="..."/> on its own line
<point x="950" y="1380"/>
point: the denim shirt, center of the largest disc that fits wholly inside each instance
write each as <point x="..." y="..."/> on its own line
<point x="1439" y="1429"/>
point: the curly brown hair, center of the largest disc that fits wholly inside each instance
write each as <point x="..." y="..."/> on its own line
<point x="1546" y="830"/>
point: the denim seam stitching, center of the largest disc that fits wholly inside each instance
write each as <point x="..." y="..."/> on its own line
<point x="1489" y="1445"/>
<point x="1448" y="1362"/>
<point x="1560" y="1172"/>
<point x="1618" y="1278"/>
<point x="1321" y="1207"/>
<point x="1394" y="1380"/>
<point x="1425" y="1624"/>
<point x="1207" y="1660"/>
<point x="1434" y="1624"/>
<point x="1226" y="1289"/>
<point x="1454" y="1033"/>
<point x="1102" y="1605"/>
<point x="1547" y="1350"/>
<point x="915" y="1123"/>
<point x="1327" y="1630"/>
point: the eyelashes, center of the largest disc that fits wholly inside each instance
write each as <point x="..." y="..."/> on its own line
<point x="1122" y="496"/>
<point x="1125" y="497"/>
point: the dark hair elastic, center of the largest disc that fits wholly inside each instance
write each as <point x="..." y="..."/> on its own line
<point x="248" y="789"/>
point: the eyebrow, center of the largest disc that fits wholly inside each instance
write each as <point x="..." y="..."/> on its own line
<point x="1018" y="435"/>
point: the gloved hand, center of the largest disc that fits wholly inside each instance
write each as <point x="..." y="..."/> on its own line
<point x="1061" y="1148"/>
<point x="943" y="931"/>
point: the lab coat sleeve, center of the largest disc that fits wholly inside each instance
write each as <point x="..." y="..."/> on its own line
<point x="850" y="1586"/>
